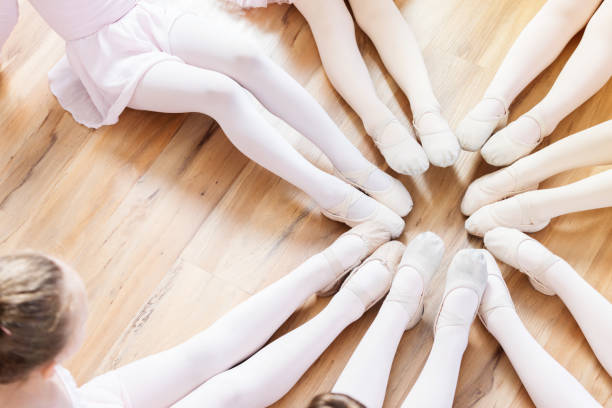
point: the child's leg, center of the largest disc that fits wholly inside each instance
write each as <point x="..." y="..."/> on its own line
<point x="366" y="374"/>
<point x="465" y="283"/>
<point x="546" y="381"/>
<point x="270" y="373"/>
<point x="532" y="211"/>
<point x="176" y="87"/>
<point x="245" y="328"/>
<point x="591" y="147"/>
<point x="333" y="29"/>
<point x="592" y="311"/>
<point x="398" y="48"/>
<point x="334" y="33"/>
<point x="537" y="46"/>
<point x="588" y="69"/>
<point x="196" y="40"/>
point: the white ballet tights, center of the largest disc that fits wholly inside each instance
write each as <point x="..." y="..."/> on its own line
<point x="395" y="42"/>
<point x="590" y="147"/>
<point x="214" y="80"/>
<point x="164" y="378"/>
<point x="437" y="382"/>
<point x="549" y="384"/>
<point x="532" y="210"/>
<point x="333" y="29"/>
<point x="592" y="311"/>
<point x="365" y="376"/>
<point x="269" y="374"/>
<point x="537" y="46"/>
<point x="542" y="40"/>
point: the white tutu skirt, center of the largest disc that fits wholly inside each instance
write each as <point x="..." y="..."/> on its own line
<point x="96" y="79"/>
<point x="256" y="3"/>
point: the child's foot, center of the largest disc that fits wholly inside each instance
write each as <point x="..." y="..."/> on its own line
<point x="496" y="295"/>
<point x="491" y="188"/>
<point x="400" y="148"/>
<point x="514" y="141"/>
<point x="419" y="263"/>
<point x="437" y="138"/>
<point x="523" y="253"/>
<point x="485" y="118"/>
<point x="357" y="208"/>
<point x="387" y="190"/>
<point x="513" y="212"/>
<point x="372" y="279"/>
<point x="346" y="252"/>
<point x="465" y="283"/>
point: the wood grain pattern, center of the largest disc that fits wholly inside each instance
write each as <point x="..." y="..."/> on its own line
<point x="170" y="226"/>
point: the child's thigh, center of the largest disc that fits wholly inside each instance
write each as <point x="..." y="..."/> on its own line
<point x="208" y="44"/>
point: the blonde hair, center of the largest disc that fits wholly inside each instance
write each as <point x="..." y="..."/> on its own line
<point x="333" y="400"/>
<point x="33" y="316"/>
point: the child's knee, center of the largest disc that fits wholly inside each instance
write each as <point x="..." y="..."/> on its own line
<point x="227" y="96"/>
<point x="250" y="58"/>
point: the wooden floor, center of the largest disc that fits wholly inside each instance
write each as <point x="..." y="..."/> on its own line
<point x="170" y="226"/>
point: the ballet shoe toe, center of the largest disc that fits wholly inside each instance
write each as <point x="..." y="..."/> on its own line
<point x="372" y="279"/>
<point x="411" y="162"/>
<point x="424" y="254"/>
<point x="390" y="220"/>
<point x="480" y="222"/>
<point x="473" y="199"/>
<point x="500" y="241"/>
<point x="444" y="156"/>
<point x="396" y="197"/>
<point x="502" y="149"/>
<point x="472" y="133"/>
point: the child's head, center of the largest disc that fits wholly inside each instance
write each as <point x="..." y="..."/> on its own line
<point x="334" y="400"/>
<point x="43" y="308"/>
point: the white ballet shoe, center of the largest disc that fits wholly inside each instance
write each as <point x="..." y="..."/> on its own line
<point x="496" y="295"/>
<point x="468" y="270"/>
<point x="402" y="152"/>
<point x="503" y="149"/>
<point x="371" y="234"/>
<point x="370" y="281"/>
<point x="440" y="145"/>
<point x="381" y="214"/>
<point x="504" y="243"/>
<point x="395" y="197"/>
<point x="512" y="212"/>
<point x="487" y="190"/>
<point x="474" y="130"/>
<point x="423" y="254"/>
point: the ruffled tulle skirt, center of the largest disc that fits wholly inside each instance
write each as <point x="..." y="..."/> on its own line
<point x="96" y="79"/>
